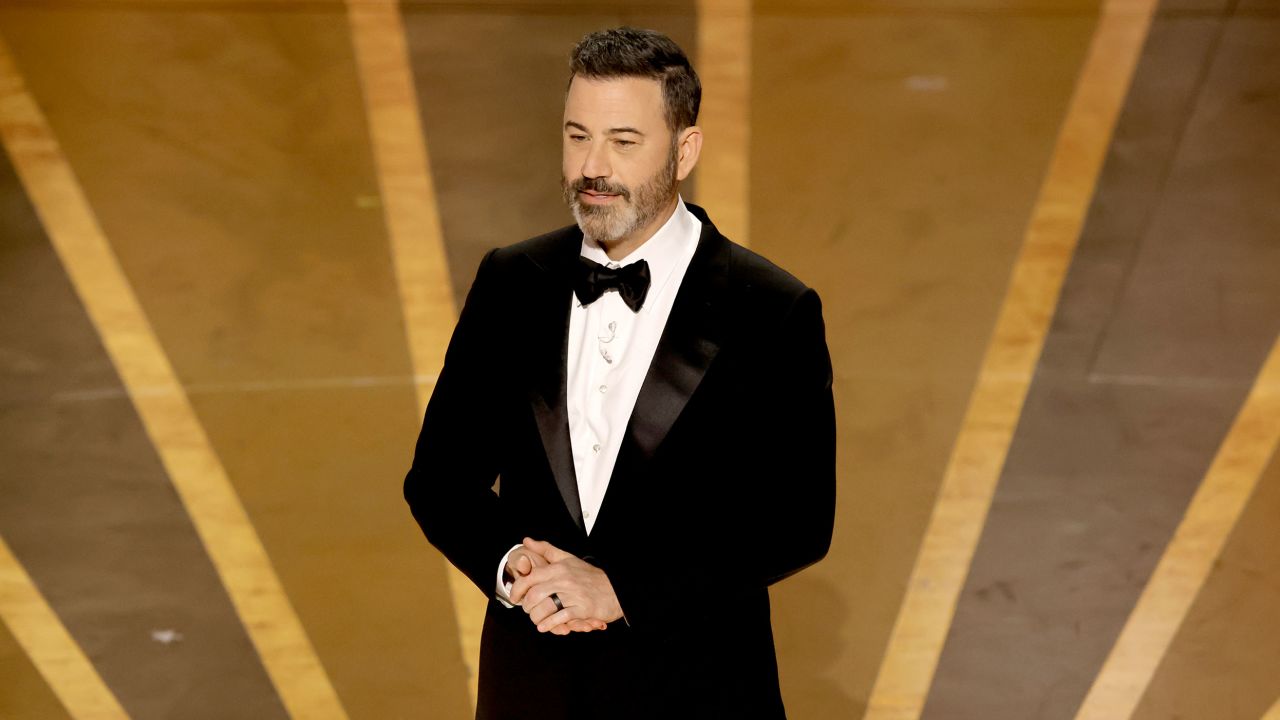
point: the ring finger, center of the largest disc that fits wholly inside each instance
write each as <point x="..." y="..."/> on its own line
<point x="543" y="610"/>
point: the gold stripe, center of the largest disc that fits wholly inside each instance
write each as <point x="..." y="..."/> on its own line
<point x="907" y="669"/>
<point x="417" y="241"/>
<point x="37" y="629"/>
<point x="1273" y="713"/>
<point x="171" y="423"/>
<point x="1189" y="557"/>
<point x="724" y="66"/>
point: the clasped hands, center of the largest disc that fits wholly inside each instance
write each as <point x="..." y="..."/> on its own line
<point x="541" y="569"/>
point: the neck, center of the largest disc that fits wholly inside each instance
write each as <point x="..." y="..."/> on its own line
<point x="627" y="244"/>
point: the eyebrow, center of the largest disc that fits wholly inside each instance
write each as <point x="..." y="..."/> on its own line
<point x="610" y="131"/>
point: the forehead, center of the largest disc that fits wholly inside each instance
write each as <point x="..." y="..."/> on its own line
<point x="600" y="104"/>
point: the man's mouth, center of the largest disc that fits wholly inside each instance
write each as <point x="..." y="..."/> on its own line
<point x="597" y="198"/>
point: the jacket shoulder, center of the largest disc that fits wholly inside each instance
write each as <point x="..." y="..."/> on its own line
<point x="762" y="283"/>
<point x="541" y="250"/>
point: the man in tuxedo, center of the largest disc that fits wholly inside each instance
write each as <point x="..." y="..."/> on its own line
<point x="657" y="403"/>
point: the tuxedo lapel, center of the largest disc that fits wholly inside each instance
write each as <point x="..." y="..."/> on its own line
<point x="688" y="344"/>
<point x="549" y="342"/>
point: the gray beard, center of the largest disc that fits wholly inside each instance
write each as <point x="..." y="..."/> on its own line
<point x="606" y="225"/>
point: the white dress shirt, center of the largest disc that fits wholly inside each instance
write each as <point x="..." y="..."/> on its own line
<point x="610" y="349"/>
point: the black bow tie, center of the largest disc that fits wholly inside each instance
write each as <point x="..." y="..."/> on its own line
<point x="592" y="280"/>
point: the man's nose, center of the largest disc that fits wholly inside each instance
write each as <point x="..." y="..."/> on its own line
<point x="596" y="163"/>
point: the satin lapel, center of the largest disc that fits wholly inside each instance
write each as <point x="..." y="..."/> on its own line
<point x="547" y="392"/>
<point x="689" y="343"/>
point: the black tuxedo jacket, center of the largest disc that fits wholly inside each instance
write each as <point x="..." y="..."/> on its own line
<point x="724" y="484"/>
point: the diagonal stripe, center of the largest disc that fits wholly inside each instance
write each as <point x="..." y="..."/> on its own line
<point x="1273" y="713"/>
<point x="724" y="66"/>
<point x="1189" y="557"/>
<point x="197" y="474"/>
<point x="25" y="693"/>
<point x="417" y="241"/>
<point x="42" y="636"/>
<point x="973" y="471"/>
<point x="404" y="178"/>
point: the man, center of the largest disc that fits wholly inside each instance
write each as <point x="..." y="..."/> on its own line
<point x="657" y="402"/>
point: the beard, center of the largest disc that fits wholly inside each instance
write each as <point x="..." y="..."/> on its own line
<point x="609" y="223"/>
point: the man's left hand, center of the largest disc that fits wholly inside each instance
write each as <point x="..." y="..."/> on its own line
<point x="584" y="591"/>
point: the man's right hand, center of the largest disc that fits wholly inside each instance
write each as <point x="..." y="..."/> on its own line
<point x="521" y="562"/>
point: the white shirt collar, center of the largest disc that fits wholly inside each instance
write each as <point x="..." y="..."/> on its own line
<point x="661" y="251"/>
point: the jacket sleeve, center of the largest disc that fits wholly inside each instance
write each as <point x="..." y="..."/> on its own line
<point x="449" y="487"/>
<point x="781" y="516"/>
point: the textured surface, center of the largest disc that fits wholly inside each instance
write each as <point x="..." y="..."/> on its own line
<point x="89" y="511"/>
<point x="893" y="154"/>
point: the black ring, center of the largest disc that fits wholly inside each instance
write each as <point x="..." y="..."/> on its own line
<point x="555" y="598"/>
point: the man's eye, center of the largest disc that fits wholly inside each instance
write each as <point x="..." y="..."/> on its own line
<point x="577" y="138"/>
<point x="625" y="143"/>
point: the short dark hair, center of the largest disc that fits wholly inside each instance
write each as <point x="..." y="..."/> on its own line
<point x="631" y="52"/>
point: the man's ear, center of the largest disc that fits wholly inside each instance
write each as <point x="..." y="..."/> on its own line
<point x="688" y="149"/>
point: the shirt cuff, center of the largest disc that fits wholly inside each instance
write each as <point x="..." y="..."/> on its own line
<point x="503" y="592"/>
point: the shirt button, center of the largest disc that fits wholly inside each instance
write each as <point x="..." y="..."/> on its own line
<point x="604" y="388"/>
<point x="586" y="516"/>
<point x="595" y="448"/>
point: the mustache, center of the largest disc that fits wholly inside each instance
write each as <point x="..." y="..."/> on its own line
<point x="599" y="185"/>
